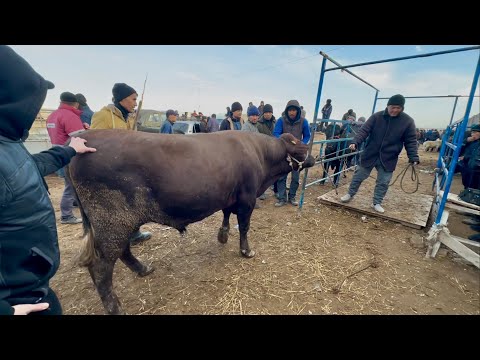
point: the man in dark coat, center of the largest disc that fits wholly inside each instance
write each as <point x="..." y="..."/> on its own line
<point x="388" y="131"/>
<point x="29" y="253"/>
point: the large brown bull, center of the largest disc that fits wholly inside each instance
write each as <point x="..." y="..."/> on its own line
<point x="175" y="180"/>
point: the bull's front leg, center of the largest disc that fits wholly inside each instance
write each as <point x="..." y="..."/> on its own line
<point x="243" y="216"/>
<point x="223" y="231"/>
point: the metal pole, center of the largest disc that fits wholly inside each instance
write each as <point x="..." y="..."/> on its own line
<point x="310" y="147"/>
<point x="429" y="97"/>
<point x="405" y="58"/>
<point x="453" y="111"/>
<point x="348" y="71"/>
<point x="375" y="102"/>
<point x="446" y="135"/>
<point x="462" y="128"/>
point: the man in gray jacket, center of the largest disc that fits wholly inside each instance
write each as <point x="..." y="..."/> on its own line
<point x="387" y="131"/>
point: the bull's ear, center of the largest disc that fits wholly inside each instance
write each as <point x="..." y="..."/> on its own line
<point x="293" y="142"/>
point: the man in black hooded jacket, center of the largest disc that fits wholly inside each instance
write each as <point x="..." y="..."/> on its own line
<point x="29" y="254"/>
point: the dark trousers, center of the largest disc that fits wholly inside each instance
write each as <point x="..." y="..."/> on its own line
<point x="470" y="178"/>
<point x="66" y="204"/>
<point x="282" y="186"/>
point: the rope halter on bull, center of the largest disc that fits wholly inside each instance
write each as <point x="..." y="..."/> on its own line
<point x="290" y="158"/>
<point x="300" y="163"/>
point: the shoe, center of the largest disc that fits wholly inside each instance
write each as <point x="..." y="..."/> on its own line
<point x="71" y="220"/>
<point x="293" y="201"/>
<point x="378" y="208"/>
<point x="345" y="198"/>
<point x="263" y="196"/>
<point x="140" y="237"/>
<point x="280" y="203"/>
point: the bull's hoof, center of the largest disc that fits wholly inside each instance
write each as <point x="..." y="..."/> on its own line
<point x="146" y="271"/>
<point x="247" y="253"/>
<point x="222" y="235"/>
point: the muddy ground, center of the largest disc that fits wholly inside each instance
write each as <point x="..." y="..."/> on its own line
<point x="304" y="264"/>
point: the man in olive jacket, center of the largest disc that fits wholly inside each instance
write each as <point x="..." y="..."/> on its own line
<point x="29" y="254"/>
<point x="387" y="131"/>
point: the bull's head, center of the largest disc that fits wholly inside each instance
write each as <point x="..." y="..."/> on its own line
<point x="297" y="153"/>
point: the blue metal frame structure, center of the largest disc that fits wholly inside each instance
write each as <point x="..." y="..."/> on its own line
<point x="450" y="150"/>
<point x="460" y="125"/>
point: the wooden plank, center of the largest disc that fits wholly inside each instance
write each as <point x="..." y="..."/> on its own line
<point x="462" y="209"/>
<point x="454" y="199"/>
<point x="408" y="209"/>
<point x="466" y="241"/>
<point x="460" y="249"/>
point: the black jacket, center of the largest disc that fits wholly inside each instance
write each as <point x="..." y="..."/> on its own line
<point x="386" y="137"/>
<point x="29" y="255"/>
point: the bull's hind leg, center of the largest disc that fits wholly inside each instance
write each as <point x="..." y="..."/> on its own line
<point x="101" y="271"/>
<point x="243" y="216"/>
<point x="134" y="264"/>
<point x="223" y="231"/>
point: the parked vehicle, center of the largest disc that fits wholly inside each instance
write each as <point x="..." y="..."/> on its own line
<point x="186" y="127"/>
<point x="151" y="120"/>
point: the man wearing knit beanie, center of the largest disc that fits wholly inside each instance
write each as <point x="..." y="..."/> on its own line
<point x="389" y="131"/>
<point x="120" y="115"/>
<point x="251" y="125"/>
<point x="266" y="124"/>
<point x="234" y="119"/>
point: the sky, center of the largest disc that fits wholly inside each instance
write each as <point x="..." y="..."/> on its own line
<point x="208" y="78"/>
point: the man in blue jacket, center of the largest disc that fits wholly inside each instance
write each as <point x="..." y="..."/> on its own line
<point x="293" y="123"/>
<point x="167" y="126"/>
<point x="388" y="131"/>
<point x="29" y="254"/>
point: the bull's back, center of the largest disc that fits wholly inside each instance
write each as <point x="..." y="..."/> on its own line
<point x="173" y="162"/>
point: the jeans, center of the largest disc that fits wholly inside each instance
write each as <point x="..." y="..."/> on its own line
<point x="66" y="204"/>
<point x="381" y="186"/>
<point x="282" y="186"/>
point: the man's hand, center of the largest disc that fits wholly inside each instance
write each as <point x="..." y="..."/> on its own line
<point x="79" y="145"/>
<point x="86" y="126"/>
<point x="25" y="309"/>
<point x="353" y="147"/>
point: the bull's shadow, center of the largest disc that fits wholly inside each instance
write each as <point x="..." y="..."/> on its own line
<point x="135" y="178"/>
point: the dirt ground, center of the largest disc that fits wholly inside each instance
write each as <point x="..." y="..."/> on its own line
<point x="305" y="264"/>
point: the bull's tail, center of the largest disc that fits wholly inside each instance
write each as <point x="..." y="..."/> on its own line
<point x="87" y="253"/>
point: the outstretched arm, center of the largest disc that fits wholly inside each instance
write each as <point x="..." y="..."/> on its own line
<point x="57" y="157"/>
